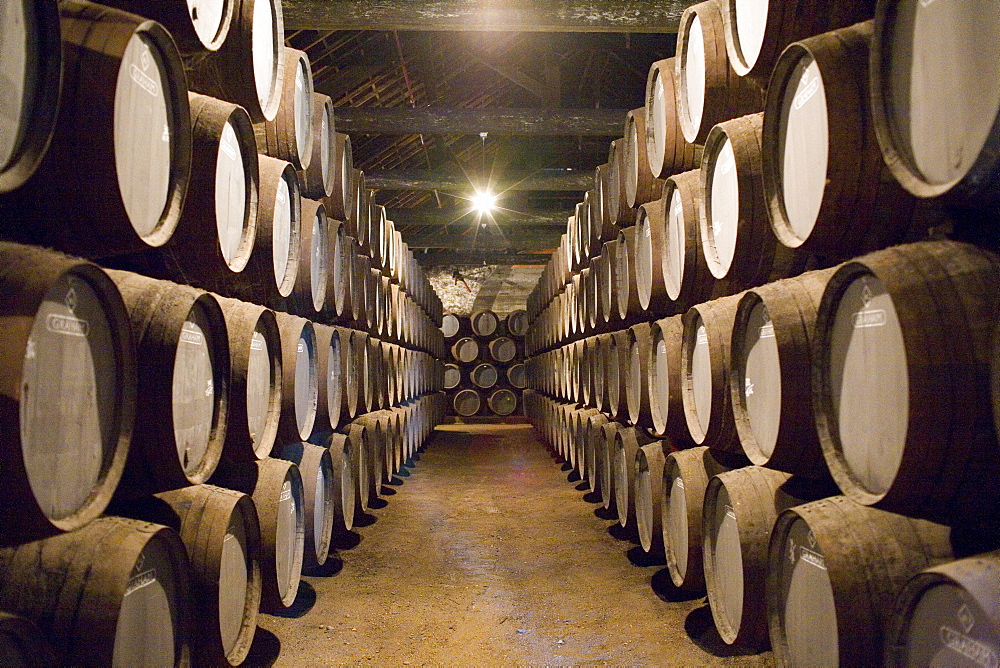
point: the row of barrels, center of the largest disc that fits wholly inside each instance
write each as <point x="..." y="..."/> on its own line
<point x="487" y="363"/>
<point x="783" y="559"/>
<point x="205" y="187"/>
<point x="837" y="140"/>
<point x="119" y="384"/>
<point x="876" y="373"/>
<point x="179" y="577"/>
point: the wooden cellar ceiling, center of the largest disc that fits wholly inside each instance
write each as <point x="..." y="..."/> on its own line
<point x="416" y="82"/>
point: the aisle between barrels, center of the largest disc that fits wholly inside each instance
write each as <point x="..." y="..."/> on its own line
<point x="484" y="553"/>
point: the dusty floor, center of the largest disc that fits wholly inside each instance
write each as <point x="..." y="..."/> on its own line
<point x="486" y="554"/>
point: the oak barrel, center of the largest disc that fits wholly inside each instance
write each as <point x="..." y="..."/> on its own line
<point x="466" y="403"/>
<point x="316" y="468"/>
<point x="318" y="179"/>
<point x="502" y="402"/>
<point x="196" y="25"/>
<point x="69" y="391"/>
<point x="299" y="378"/>
<point x="648" y="464"/>
<point x="278" y="497"/>
<point x="330" y="376"/>
<point x="666" y="149"/>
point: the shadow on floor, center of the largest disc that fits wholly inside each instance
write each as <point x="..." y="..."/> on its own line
<point x="664" y="588"/>
<point x="333" y="565"/>
<point x="304" y="601"/>
<point x="345" y="541"/>
<point x="264" y="650"/>
<point x="639" y="557"/>
<point x="701" y="629"/>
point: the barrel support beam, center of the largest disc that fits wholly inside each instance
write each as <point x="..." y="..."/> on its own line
<point x="437" y="121"/>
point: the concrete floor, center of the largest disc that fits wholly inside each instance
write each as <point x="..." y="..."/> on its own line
<point x="484" y="554"/>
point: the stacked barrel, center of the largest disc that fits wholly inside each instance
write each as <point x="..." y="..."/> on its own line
<point x="247" y="353"/>
<point x="486" y="374"/>
<point x="768" y="338"/>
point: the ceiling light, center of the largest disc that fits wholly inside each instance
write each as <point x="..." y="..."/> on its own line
<point x="484" y="201"/>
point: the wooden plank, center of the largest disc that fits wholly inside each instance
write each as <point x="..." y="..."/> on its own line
<point x="435" y="120"/>
<point x="473" y="15"/>
<point x="562" y="180"/>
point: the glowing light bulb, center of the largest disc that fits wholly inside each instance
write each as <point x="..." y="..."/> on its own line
<point x="484" y="201"/>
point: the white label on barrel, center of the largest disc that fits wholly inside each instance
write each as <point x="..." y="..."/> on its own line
<point x="66" y="324"/>
<point x="803" y="147"/>
<point x="68" y="397"/>
<point x="694" y="75"/>
<point x="947" y="627"/>
<point x="17" y="62"/>
<point x="146" y="627"/>
<point x="806" y="605"/>
<point x="265" y="44"/>
<point x="140" y="580"/>
<point x="193" y="396"/>
<point x="944" y="99"/>
<point x="143" y="161"/>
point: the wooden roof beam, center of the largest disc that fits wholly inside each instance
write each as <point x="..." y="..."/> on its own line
<point x="475" y="15"/>
<point x="561" y="180"/>
<point x="496" y="121"/>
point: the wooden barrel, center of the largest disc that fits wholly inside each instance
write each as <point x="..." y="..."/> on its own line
<point x="603" y="229"/>
<point x="739" y="511"/>
<point x="627" y="289"/>
<point x="592" y="433"/>
<point x="182" y="402"/>
<point x="218" y="224"/>
<point x="834" y="569"/>
<point x="686" y="276"/>
<point x="221" y="534"/>
<point x="685" y="477"/>
<point x="249" y="67"/>
<point x="452" y="376"/>
<point x="636" y="375"/>
<point x="708" y="91"/>
<point x="901" y="384"/>
<point x="503" y="349"/>
<point x="770" y="374"/>
<point x="484" y="376"/>
<point x="299" y="378"/>
<point x="615" y="378"/>
<point x="590" y="307"/>
<point x="579" y="428"/>
<point x="947" y="615"/>
<point x="318" y="497"/>
<point x="465" y="350"/>
<point x="375" y="378"/>
<point x="757" y="31"/>
<point x="640" y="186"/>
<point x="120" y="160"/>
<point x="663" y="375"/>
<point x="255" y="382"/>
<point x="705" y="367"/>
<point x="330" y="376"/>
<point x="502" y="402"/>
<point x="827" y="188"/>
<point x="667" y="152"/>
<point x="273" y="267"/>
<point x="196" y="25"/>
<point x="450" y="325"/>
<point x="616" y="210"/>
<point x="357" y="434"/>
<point x="648" y="262"/>
<point x="936" y="115"/>
<point x="22" y="642"/>
<point x="69" y="388"/>
<point x="627" y="442"/>
<point x="114" y="592"/>
<point x="598" y="363"/>
<point x="338" y="289"/>
<point x="309" y="295"/>
<point x="344" y="482"/>
<point x="648" y="464"/>
<point x="484" y="323"/>
<point x="517" y="323"/>
<point x="317" y="180"/>
<point x="361" y="350"/>
<point x="375" y="442"/>
<point x="604" y="458"/>
<point x="278" y="497"/>
<point x="466" y="403"/>
<point x="34" y="69"/>
<point x="607" y="296"/>
<point x="359" y="286"/>
<point x="340" y="201"/>
<point x="736" y="236"/>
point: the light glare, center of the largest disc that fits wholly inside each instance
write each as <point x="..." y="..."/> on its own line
<point x="484" y="201"/>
